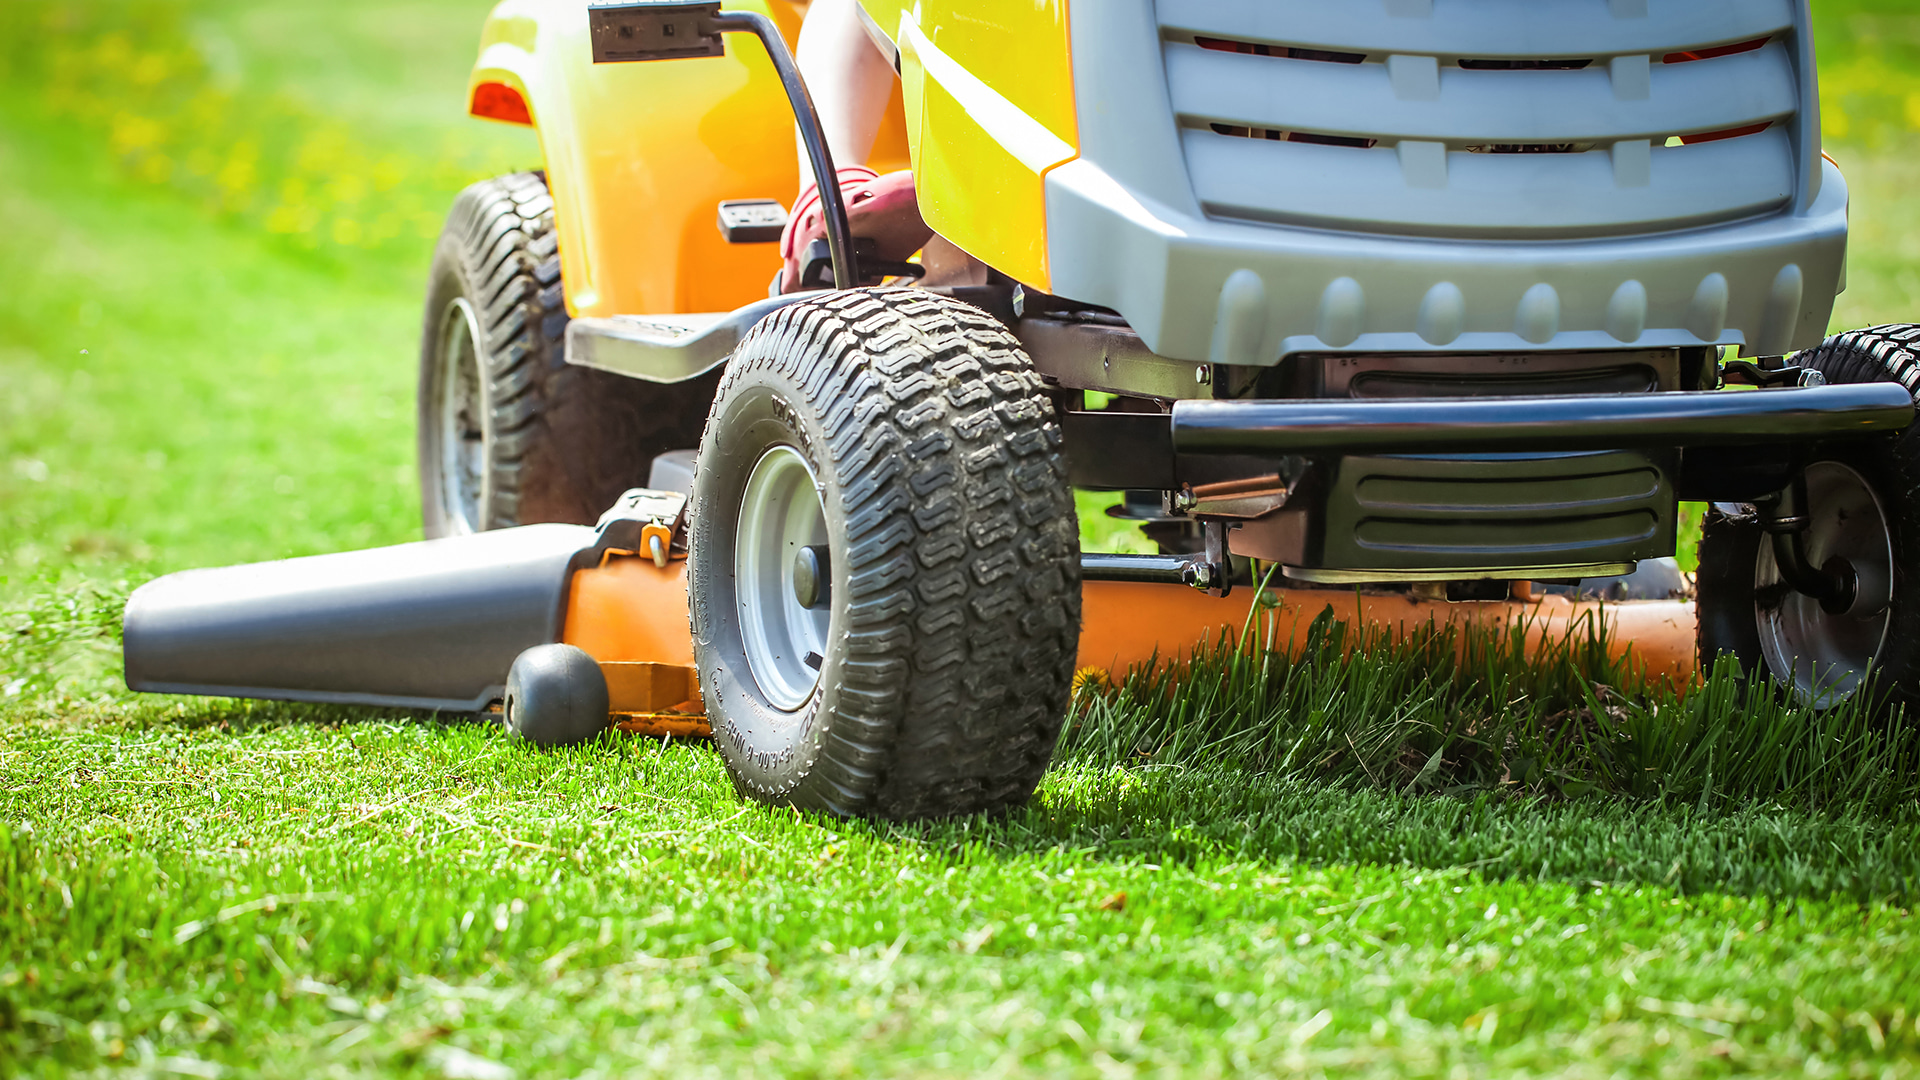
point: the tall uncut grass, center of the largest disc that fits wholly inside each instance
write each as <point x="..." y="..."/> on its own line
<point x="1452" y="709"/>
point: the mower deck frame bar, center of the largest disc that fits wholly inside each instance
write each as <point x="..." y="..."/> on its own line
<point x="1147" y="569"/>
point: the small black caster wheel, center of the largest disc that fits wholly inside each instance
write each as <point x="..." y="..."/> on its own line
<point x="556" y="696"/>
<point x="1862" y="512"/>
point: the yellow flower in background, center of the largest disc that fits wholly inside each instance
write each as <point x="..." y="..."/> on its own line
<point x="155" y="168"/>
<point x="150" y="70"/>
<point x="1869" y="98"/>
<point x="347" y="187"/>
<point x="133" y="133"/>
<point x="390" y="173"/>
<point x="262" y="157"/>
<point x="1092" y="679"/>
<point x="1833" y="121"/>
<point x="112" y="51"/>
<point x="239" y="177"/>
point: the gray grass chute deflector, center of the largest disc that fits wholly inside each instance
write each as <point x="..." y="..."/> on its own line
<point x="430" y="625"/>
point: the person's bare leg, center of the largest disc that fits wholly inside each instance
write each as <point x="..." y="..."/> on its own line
<point x="849" y="79"/>
<point x="851" y="83"/>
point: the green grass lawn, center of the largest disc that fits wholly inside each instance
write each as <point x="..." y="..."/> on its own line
<point x="282" y="890"/>
<point x="215" y="236"/>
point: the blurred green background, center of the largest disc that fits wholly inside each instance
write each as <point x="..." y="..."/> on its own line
<point x="217" y="220"/>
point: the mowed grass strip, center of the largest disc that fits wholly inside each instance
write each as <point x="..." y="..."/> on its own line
<point x="261" y="886"/>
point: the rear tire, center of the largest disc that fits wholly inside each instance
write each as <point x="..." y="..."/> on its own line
<point x="1865" y="496"/>
<point x="883" y="561"/>
<point x="509" y="434"/>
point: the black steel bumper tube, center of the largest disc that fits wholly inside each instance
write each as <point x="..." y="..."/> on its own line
<point x="1574" y="422"/>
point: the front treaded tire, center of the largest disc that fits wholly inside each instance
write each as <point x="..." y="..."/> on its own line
<point x="907" y="435"/>
<point x="1770" y="631"/>
<point x="509" y="434"/>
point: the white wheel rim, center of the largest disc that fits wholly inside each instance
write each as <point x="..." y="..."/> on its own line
<point x="780" y="514"/>
<point x="463" y="421"/>
<point x="1821" y="656"/>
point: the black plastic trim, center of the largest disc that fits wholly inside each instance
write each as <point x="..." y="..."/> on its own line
<point x="1117" y="450"/>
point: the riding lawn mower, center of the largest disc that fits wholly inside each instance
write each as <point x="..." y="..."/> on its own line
<point x="1419" y="310"/>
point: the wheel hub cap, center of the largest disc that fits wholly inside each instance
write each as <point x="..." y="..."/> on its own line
<point x="810" y="577"/>
<point x="781" y="574"/>
<point x="1823" y="656"/>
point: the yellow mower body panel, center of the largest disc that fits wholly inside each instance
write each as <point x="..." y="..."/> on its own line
<point x="990" y="110"/>
<point x="638" y="156"/>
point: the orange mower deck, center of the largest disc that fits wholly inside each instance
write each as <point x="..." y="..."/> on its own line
<point x="631" y="616"/>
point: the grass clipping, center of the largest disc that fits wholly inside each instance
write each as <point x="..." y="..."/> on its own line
<point x="1453" y="709"/>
